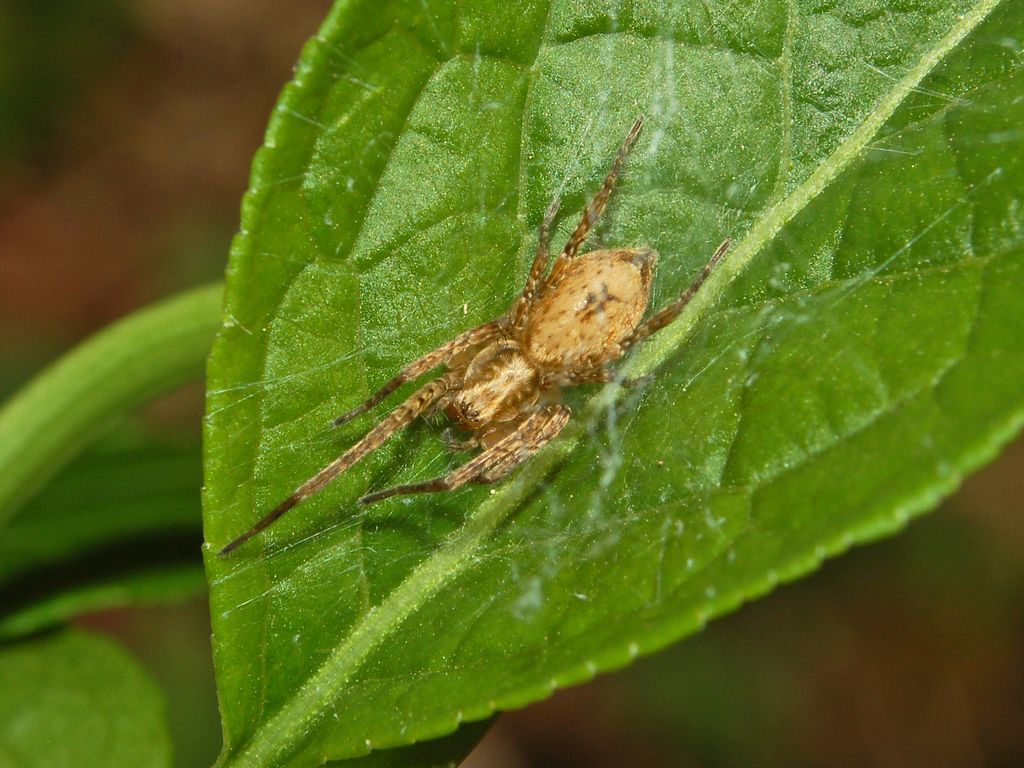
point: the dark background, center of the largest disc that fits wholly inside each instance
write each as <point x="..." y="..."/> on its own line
<point x="126" y="132"/>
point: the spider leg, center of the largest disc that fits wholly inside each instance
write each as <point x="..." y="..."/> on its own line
<point x="670" y="312"/>
<point x="453" y="444"/>
<point x="589" y="375"/>
<point x="596" y="206"/>
<point x="540" y="262"/>
<point x="495" y="462"/>
<point x="415" y="405"/>
<point x="600" y="376"/>
<point x="431" y="360"/>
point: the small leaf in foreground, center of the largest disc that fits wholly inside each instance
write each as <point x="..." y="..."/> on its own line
<point x="75" y="700"/>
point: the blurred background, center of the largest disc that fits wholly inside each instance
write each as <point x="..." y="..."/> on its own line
<point x="126" y="132"/>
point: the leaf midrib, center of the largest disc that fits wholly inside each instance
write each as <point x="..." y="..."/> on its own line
<point x="286" y="730"/>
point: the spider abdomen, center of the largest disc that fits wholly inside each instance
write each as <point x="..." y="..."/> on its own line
<point x="597" y="301"/>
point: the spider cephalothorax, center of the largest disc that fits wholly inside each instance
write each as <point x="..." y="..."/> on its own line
<point x="504" y="379"/>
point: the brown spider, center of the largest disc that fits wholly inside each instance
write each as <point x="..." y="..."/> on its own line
<point x="505" y="377"/>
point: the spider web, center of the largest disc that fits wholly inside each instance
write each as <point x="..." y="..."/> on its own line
<point x="618" y="539"/>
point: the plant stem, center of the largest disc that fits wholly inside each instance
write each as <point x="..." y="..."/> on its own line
<point x="152" y="351"/>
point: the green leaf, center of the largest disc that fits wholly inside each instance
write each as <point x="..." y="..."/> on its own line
<point x="145" y="354"/>
<point x="78" y="700"/>
<point x="118" y="526"/>
<point x="853" y="357"/>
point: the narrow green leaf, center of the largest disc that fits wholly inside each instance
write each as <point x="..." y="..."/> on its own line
<point x="856" y="353"/>
<point x="77" y="700"/>
<point x="150" y="352"/>
<point x="118" y="526"/>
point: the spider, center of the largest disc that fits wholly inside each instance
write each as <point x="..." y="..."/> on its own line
<point x="504" y="378"/>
